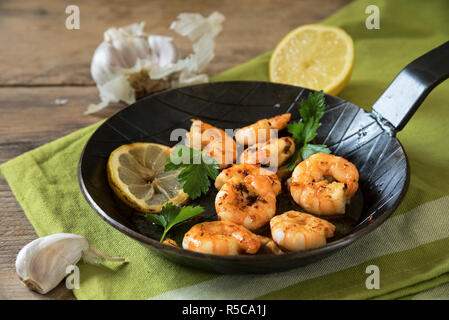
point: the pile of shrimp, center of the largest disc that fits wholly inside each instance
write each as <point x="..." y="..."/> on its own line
<point x="322" y="185"/>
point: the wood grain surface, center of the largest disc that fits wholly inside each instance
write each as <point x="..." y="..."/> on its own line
<point x="42" y="61"/>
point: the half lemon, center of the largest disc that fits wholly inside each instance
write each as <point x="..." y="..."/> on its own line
<point x="314" y="56"/>
<point x="136" y="175"/>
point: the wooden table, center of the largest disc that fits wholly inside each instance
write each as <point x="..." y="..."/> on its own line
<point x="41" y="61"/>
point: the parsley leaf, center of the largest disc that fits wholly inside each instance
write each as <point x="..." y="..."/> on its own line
<point x="313" y="107"/>
<point x="310" y="149"/>
<point x="305" y="131"/>
<point x="293" y="160"/>
<point x="172" y="215"/>
<point x="310" y="130"/>
<point x="296" y="129"/>
<point x="198" y="168"/>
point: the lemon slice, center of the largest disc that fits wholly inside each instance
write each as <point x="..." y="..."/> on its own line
<point x="314" y="56"/>
<point x="136" y="174"/>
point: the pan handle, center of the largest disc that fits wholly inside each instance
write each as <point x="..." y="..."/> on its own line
<point x="411" y="86"/>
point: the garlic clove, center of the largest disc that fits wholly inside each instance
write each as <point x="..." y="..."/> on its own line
<point x="142" y="47"/>
<point x="126" y="52"/>
<point x="42" y="263"/>
<point x="106" y="62"/>
<point x="163" y="50"/>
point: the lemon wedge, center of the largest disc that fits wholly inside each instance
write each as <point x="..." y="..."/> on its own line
<point x="314" y="56"/>
<point x="136" y="175"/>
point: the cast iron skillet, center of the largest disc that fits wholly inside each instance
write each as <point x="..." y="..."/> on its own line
<point x="365" y="138"/>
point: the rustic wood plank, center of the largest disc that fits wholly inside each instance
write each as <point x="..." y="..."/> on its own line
<point x="31" y="118"/>
<point x="45" y="52"/>
<point x="55" y="61"/>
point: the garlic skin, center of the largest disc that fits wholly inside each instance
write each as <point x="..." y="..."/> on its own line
<point x="202" y="31"/>
<point x="130" y="64"/>
<point x="41" y="264"/>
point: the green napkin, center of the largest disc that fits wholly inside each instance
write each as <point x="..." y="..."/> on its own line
<point x="410" y="249"/>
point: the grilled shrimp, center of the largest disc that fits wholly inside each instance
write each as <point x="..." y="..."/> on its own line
<point x="213" y="141"/>
<point x="272" y="153"/>
<point x="250" y="201"/>
<point x="296" y="231"/>
<point x="324" y="183"/>
<point x="221" y="237"/>
<point x="260" y="131"/>
<point x="243" y="170"/>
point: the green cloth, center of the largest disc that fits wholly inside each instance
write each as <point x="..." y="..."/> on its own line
<point x="410" y="249"/>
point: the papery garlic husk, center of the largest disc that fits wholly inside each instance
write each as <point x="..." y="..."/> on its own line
<point x="202" y="31"/>
<point x="41" y="264"/>
<point x="130" y="64"/>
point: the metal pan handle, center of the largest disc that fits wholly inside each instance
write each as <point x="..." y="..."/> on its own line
<point x="411" y="86"/>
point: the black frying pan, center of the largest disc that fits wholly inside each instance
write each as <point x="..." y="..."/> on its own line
<point x="365" y="138"/>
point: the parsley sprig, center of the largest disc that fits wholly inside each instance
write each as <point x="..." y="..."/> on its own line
<point x="171" y="215"/>
<point x="305" y="130"/>
<point x="197" y="169"/>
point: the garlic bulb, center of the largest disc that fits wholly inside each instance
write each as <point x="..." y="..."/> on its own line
<point x="130" y="64"/>
<point x="42" y="263"/>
